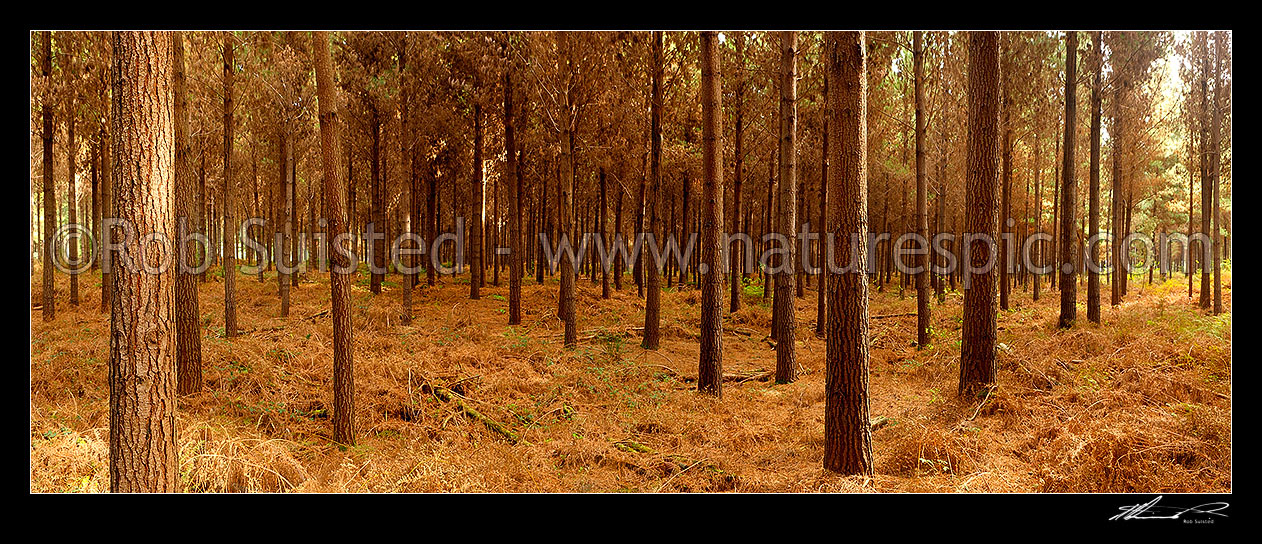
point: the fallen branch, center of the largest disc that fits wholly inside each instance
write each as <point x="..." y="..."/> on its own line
<point x="740" y="377"/>
<point x="447" y="395"/>
<point x="891" y="315"/>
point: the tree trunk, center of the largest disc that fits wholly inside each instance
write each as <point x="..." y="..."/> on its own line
<point x="377" y="214"/>
<point x="604" y="235"/>
<point x="142" y="377"/>
<point x="1068" y="272"/>
<point x="71" y="201"/>
<point x="477" y="269"/>
<point x="922" y="195"/>
<point x="847" y="431"/>
<point x="229" y="225"/>
<point x="1216" y="168"/>
<point x="977" y="351"/>
<point x="652" y="302"/>
<point x="187" y="317"/>
<point x="50" y="196"/>
<point x="821" y="310"/>
<point x="513" y="173"/>
<point x="786" y="321"/>
<point x="339" y="279"/>
<point x="1005" y="261"/>
<point x="1093" y="206"/>
<point x="735" y="259"/>
<point x="286" y="226"/>
<point x="710" y="270"/>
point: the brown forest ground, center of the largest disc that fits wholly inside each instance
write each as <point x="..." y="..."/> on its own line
<point x="1141" y="404"/>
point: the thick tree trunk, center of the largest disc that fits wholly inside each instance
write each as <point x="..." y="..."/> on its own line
<point x="847" y="431"/>
<point x="142" y="377"/>
<point x="977" y="351"/>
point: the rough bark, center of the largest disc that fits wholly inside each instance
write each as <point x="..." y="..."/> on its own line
<point x="339" y="280"/>
<point x="229" y="225"/>
<point x="977" y="350"/>
<point x="187" y="317"/>
<point x="710" y="369"/>
<point x="50" y="195"/>
<point x="476" y="234"/>
<point x="786" y="321"/>
<point x="847" y="432"/>
<point x="652" y="304"/>
<point x="142" y="376"/>
<point x="1068" y="271"/>
<point x="1093" y="206"/>
<point x="922" y="194"/>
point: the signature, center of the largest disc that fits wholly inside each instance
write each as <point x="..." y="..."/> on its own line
<point x="1150" y="510"/>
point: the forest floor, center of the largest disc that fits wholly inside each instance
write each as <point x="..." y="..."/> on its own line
<point x="1140" y="404"/>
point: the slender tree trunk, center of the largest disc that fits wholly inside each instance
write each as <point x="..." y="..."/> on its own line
<point x="286" y="227"/>
<point x="604" y="235"/>
<point x="142" y="377"/>
<point x="229" y="225"/>
<point x="1038" y="211"/>
<point x="847" y="430"/>
<point x="710" y="270"/>
<point x="786" y="321"/>
<point x="821" y="310"/>
<point x="50" y="196"/>
<point x="72" y="152"/>
<point x="1056" y="191"/>
<point x="570" y="122"/>
<point x="1207" y="148"/>
<point x="652" y="302"/>
<point x="1093" y="276"/>
<point x="1216" y="168"/>
<point x="618" y="264"/>
<point x="339" y="279"/>
<point x="977" y="351"/>
<point x="1005" y="249"/>
<point x="513" y="174"/>
<point x="377" y="214"/>
<point x="735" y="267"/>
<point x="922" y="196"/>
<point x="1068" y="272"/>
<point x="187" y="317"/>
<point x="476" y="250"/>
